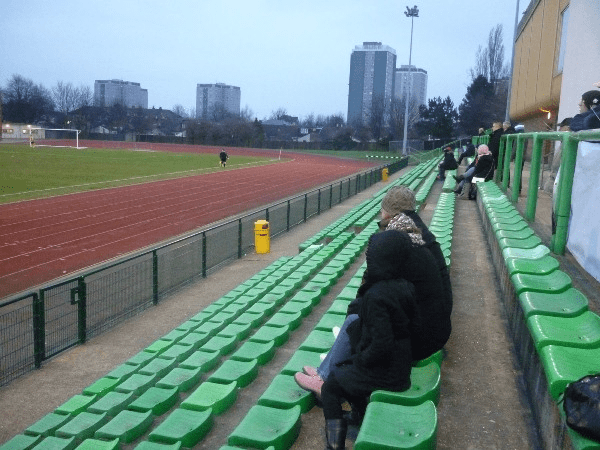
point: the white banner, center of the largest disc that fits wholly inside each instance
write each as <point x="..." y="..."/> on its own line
<point x="584" y="227"/>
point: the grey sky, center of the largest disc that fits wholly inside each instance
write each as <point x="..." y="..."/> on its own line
<point x="292" y="55"/>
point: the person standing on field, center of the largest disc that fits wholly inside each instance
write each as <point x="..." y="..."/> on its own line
<point x="223" y="156"/>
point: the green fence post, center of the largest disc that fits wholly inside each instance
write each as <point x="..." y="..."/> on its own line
<point x="155" y="277"/>
<point x="519" y="155"/>
<point x="565" y="189"/>
<point x="39" y="329"/>
<point x="501" y="159"/>
<point x="288" y="216"/>
<point x="204" y="254"/>
<point x="507" y="156"/>
<point x="534" y="178"/>
<point x="239" y="238"/>
<point x="81" y="310"/>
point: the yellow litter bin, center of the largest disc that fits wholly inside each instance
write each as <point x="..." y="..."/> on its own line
<point x="261" y="236"/>
<point x="384" y="174"/>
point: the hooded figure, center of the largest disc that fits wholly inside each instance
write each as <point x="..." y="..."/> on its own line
<point x="381" y="350"/>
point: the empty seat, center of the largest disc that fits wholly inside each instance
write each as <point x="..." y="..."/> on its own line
<point x="264" y="426"/>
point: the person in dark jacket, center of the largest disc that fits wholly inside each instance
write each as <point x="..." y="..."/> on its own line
<point x="494" y="142"/>
<point x="381" y="338"/>
<point x="482" y="167"/>
<point x="449" y="163"/>
<point x="589" y="112"/>
<point x="469" y="151"/>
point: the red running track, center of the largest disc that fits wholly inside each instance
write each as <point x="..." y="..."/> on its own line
<point x="43" y="239"/>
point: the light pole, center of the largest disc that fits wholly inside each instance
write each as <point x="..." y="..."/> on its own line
<point x="512" y="65"/>
<point x="412" y="13"/>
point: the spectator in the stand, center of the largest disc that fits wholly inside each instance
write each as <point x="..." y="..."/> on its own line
<point x="469" y="152"/>
<point x="381" y="338"/>
<point x="494" y="143"/>
<point x="481" y="167"/>
<point x="481" y="132"/>
<point x="448" y="163"/>
<point x="589" y="112"/>
<point x="434" y="301"/>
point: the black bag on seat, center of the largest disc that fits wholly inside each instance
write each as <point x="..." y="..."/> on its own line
<point x="581" y="402"/>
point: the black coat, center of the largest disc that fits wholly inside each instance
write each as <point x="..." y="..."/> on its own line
<point x="588" y="120"/>
<point x="388" y="320"/>
<point x="494" y="144"/>
<point x="484" y="167"/>
<point x="449" y="163"/>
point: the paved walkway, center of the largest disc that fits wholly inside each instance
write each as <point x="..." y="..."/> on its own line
<point x="482" y="405"/>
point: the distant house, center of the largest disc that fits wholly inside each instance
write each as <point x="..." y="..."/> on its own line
<point x="280" y="130"/>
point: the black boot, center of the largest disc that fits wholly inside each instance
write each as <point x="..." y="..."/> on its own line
<point x="335" y="433"/>
<point x="458" y="178"/>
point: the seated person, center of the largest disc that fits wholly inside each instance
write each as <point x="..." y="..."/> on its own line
<point x="469" y="151"/>
<point x="449" y="163"/>
<point x="589" y="112"/>
<point x="381" y="339"/>
<point x="481" y="167"/>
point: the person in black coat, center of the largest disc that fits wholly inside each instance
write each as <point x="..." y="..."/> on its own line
<point x="382" y="336"/>
<point x="481" y="167"/>
<point x="589" y="112"/>
<point x="469" y="151"/>
<point x="494" y="142"/>
<point x="449" y="163"/>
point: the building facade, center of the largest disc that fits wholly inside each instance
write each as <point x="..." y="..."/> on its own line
<point x="214" y="99"/>
<point x="372" y="67"/>
<point x="411" y="79"/>
<point x="126" y="93"/>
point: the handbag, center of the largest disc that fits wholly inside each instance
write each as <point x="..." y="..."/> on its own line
<point x="581" y="403"/>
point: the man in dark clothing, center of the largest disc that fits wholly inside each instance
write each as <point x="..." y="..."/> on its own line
<point x="469" y="152"/>
<point x="223" y="156"/>
<point x="449" y="163"/>
<point x="494" y="143"/>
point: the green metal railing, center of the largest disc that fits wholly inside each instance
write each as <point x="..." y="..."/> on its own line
<point x="570" y="141"/>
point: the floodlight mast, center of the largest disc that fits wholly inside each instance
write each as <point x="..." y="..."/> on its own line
<point x="412" y="13"/>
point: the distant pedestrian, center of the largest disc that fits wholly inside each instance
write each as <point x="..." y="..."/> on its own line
<point x="31" y="140"/>
<point x="223" y="156"/>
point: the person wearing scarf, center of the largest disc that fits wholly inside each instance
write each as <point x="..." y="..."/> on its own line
<point x="482" y="167"/>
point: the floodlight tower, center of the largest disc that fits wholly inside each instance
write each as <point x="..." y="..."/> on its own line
<point x="412" y="13"/>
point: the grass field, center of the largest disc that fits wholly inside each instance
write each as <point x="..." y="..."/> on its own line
<point x="27" y="173"/>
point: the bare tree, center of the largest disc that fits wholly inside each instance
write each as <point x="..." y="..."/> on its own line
<point x="247" y="114"/>
<point x="279" y="114"/>
<point x="85" y="96"/>
<point x="179" y="110"/>
<point x="309" y="121"/>
<point x="489" y="60"/>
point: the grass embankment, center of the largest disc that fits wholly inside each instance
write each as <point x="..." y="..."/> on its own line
<point x="27" y="173"/>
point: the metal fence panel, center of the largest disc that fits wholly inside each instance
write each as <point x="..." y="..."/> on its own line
<point x="296" y="211"/>
<point x="61" y="317"/>
<point x="179" y="263"/>
<point x="312" y="204"/>
<point x="117" y="293"/>
<point x="16" y="339"/>
<point x="221" y="245"/>
<point x="278" y="218"/>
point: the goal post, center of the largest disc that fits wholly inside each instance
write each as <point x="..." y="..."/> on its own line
<point x="62" y="130"/>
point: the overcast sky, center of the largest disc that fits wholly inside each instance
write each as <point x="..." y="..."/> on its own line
<point x="282" y="54"/>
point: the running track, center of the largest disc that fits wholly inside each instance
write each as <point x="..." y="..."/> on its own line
<point x="43" y="239"/>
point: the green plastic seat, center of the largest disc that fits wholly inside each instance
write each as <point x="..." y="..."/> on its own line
<point x="299" y="359"/>
<point x="137" y="383"/>
<point x="76" y="404"/>
<point x="307" y="296"/>
<point x="145" y="445"/>
<point x="180" y="378"/>
<point x="175" y="335"/>
<point x="348" y="293"/>
<point x="284" y="393"/>
<point x="557" y="281"/>
<point x="543" y="266"/>
<point x="569" y="303"/>
<point x="183" y="425"/>
<point x="178" y="351"/>
<point x="123" y="371"/>
<point x="290" y="320"/>
<point x="581" y="331"/>
<point x="563" y="365"/>
<point x="268" y="333"/>
<point x="126" y="426"/>
<point x="514" y="234"/>
<point x="195" y="338"/>
<point x="339" y="306"/>
<point x="530" y="253"/>
<point x="47" y="425"/>
<point x="425" y="385"/>
<point x="264" y="308"/>
<point x="156" y="400"/>
<point x="140" y="358"/>
<point x="158" y="367"/>
<point x="201" y="359"/>
<point x="436" y="358"/>
<point x="21" y="442"/>
<point x="221" y="344"/>
<point x="83" y="426"/>
<point x="330" y="320"/>
<point x="528" y="242"/>
<point x="112" y="403"/>
<point x="294" y="307"/>
<point x="242" y="372"/>
<point x="56" y="443"/>
<point x="102" y="386"/>
<point x="158" y="346"/>
<point x="212" y="396"/>
<point x="97" y="444"/>
<point x="252" y="318"/>
<point x="318" y="341"/>
<point x="391" y="427"/>
<point x="262" y="352"/>
<point x="211" y="327"/>
<point x="264" y="426"/>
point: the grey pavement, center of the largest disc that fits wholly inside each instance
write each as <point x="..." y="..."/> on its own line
<point x="482" y="403"/>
